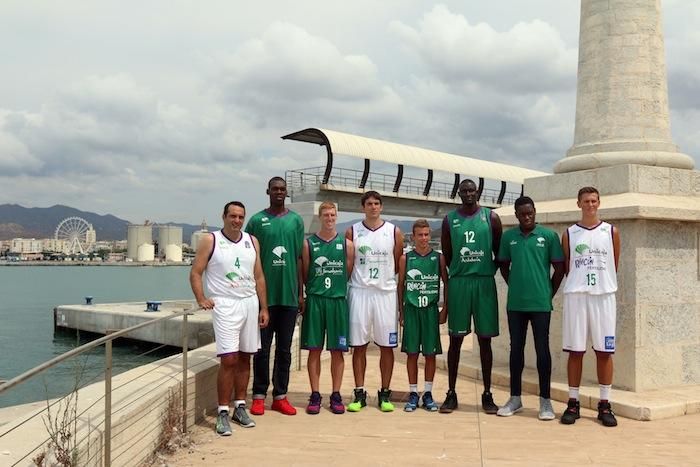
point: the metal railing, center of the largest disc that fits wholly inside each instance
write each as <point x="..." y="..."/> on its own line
<point x="107" y="341"/>
<point x="310" y="178"/>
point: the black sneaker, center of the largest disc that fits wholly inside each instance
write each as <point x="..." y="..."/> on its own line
<point x="450" y="403"/>
<point x="605" y="414"/>
<point x="572" y="412"/>
<point x="487" y="403"/>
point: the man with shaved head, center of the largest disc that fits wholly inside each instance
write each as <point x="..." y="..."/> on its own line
<point x="470" y="238"/>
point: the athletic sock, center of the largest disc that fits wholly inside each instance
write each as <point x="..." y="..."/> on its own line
<point x="428" y="386"/>
<point x="236" y="404"/>
<point x="573" y="393"/>
<point x="361" y="388"/>
<point x="605" y="392"/>
<point x="223" y="408"/>
<point x="413" y="388"/>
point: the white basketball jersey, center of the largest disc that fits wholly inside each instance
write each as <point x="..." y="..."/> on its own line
<point x="591" y="260"/>
<point x="231" y="265"/>
<point x="374" y="257"/>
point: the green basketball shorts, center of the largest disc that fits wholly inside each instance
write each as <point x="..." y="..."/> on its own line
<point x="472" y="296"/>
<point x="325" y="317"/>
<point x="421" y="330"/>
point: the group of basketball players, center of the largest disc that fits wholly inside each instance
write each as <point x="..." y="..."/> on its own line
<point x="348" y="289"/>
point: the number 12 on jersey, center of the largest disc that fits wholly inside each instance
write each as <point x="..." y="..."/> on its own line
<point x="469" y="236"/>
<point x="374" y="273"/>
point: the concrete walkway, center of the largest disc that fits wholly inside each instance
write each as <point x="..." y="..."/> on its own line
<point x="465" y="437"/>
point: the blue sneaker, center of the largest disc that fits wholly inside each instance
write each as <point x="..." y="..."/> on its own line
<point x="412" y="403"/>
<point x="428" y="402"/>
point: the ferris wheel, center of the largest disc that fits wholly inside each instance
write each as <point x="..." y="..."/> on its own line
<point x="77" y="233"/>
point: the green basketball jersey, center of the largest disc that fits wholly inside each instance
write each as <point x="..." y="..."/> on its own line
<point x="472" y="244"/>
<point x="327" y="275"/>
<point x="422" y="282"/>
<point x="281" y="239"/>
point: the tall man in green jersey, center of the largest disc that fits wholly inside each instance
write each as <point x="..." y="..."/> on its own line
<point x="327" y="262"/>
<point x="525" y="256"/>
<point x="281" y="234"/>
<point x="420" y="272"/>
<point x="470" y="239"/>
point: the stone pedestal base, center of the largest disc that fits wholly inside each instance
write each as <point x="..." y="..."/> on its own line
<point x="658" y="320"/>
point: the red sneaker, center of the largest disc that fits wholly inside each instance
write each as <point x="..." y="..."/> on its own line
<point x="283" y="406"/>
<point x="258" y="407"/>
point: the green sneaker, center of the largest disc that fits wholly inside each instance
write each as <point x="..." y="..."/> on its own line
<point x="383" y="397"/>
<point x="359" y="401"/>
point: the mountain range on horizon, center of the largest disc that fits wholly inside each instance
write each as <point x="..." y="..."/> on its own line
<point x="18" y="221"/>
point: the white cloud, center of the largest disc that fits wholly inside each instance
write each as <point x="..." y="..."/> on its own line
<point x="529" y="57"/>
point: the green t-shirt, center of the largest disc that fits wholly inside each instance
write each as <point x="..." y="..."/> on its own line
<point x="327" y="275"/>
<point x="422" y="282"/>
<point x="281" y="239"/>
<point x="530" y="257"/>
<point x="472" y="244"/>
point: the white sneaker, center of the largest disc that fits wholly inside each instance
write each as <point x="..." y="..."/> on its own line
<point x="514" y="405"/>
<point x="546" y="410"/>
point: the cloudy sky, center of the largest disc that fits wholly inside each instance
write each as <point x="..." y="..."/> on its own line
<point x="165" y="110"/>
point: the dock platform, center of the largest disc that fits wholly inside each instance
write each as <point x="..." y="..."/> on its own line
<point x="104" y="318"/>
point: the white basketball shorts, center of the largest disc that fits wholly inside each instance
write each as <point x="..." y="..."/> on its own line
<point x="589" y="315"/>
<point x="373" y="313"/>
<point x="235" y="323"/>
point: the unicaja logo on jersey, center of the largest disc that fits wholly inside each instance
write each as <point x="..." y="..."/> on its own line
<point x="414" y="274"/>
<point x="279" y="251"/>
<point x="329" y="267"/>
<point x="419" y="281"/>
<point x="581" y="248"/>
<point x="365" y="250"/>
<point x="238" y="280"/>
<point x="467" y="255"/>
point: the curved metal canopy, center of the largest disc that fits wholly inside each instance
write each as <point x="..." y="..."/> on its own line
<point x="385" y="151"/>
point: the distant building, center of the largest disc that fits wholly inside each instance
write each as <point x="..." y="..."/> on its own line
<point x="53" y="245"/>
<point x="194" y="239"/>
<point x="26" y="245"/>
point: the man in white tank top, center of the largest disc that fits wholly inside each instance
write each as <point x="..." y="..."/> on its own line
<point x="237" y="296"/>
<point x="372" y="297"/>
<point x="591" y="251"/>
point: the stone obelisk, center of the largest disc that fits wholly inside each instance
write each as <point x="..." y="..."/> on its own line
<point x="623" y="147"/>
<point x="622" y="97"/>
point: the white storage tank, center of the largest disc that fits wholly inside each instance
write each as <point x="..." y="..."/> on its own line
<point x="173" y="253"/>
<point x="146" y="252"/>
<point x="137" y="235"/>
<point x="169" y="235"/>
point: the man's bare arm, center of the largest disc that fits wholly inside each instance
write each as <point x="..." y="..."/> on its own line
<point x="401" y="284"/>
<point x="350" y="255"/>
<point x="398" y="248"/>
<point x="199" y="265"/>
<point x="260" y="287"/>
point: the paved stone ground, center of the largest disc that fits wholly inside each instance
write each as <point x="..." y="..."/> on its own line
<point x="466" y="437"/>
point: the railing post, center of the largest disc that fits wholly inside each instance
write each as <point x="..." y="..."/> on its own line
<point x="185" y="348"/>
<point x="108" y="403"/>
